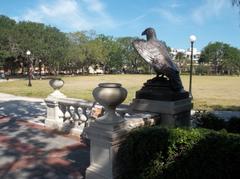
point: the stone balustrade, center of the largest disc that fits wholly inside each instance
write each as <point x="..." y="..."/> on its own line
<point x="107" y="130"/>
<point x="70" y="115"/>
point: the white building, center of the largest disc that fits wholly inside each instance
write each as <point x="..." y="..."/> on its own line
<point x="187" y="53"/>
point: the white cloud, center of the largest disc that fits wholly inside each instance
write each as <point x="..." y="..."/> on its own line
<point x="71" y="14"/>
<point x="169" y="15"/>
<point x="175" y="5"/>
<point x="209" y="9"/>
<point x="95" y="6"/>
<point x="100" y="18"/>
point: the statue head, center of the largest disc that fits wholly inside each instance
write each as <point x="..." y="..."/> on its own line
<point x="150" y="33"/>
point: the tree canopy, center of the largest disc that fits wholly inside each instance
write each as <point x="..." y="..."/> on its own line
<point x="223" y="57"/>
<point x="75" y="52"/>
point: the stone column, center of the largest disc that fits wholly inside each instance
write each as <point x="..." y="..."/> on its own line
<point x="54" y="118"/>
<point x="107" y="133"/>
<point x="105" y="140"/>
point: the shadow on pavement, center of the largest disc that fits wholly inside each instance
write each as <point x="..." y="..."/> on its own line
<point x="19" y="109"/>
<point x="29" y="151"/>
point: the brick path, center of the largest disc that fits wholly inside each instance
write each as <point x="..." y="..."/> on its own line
<point x="28" y="150"/>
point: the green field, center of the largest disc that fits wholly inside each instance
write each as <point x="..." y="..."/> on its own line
<point x="209" y="92"/>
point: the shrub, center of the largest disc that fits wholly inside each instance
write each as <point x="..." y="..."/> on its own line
<point x="209" y="121"/>
<point x="233" y="125"/>
<point x="141" y="147"/>
<point x="151" y="153"/>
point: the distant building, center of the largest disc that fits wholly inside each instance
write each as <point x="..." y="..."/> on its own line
<point x="186" y="53"/>
<point x="97" y="70"/>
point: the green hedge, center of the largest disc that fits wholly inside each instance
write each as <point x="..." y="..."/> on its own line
<point x="210" y="121"/>
<point x="152" y="153"/>
<point x="233" y="125"/>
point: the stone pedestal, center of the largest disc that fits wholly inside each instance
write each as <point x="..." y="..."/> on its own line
<point x="54" y="118"/>
<point x="105" y="141"/>
<point x="159" y="88"/>
<point x="172" y="113"/>
<point x="157" y="96"/>
<point x="107" y="133"/>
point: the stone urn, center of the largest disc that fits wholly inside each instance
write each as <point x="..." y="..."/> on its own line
<point x="56" y="84"/>
<point x="110" y="95"/>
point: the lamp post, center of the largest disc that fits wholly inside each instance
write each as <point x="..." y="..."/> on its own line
<point x="30" y="67"/>
<point x="192" y="40"/>
<point x="40" y="69"/>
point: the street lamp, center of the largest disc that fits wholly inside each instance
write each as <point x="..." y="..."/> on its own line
<point x="30" y="67"/>
<point x="40" y="68"/>
<point x="192" y="38"/>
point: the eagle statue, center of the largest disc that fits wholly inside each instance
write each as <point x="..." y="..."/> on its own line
<point x="155" y="53"/>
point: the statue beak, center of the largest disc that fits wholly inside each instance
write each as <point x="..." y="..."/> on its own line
<point x="144" y="32"/>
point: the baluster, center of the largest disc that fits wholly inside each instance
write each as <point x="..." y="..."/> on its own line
<point x="76" y="116"/>
<point x="84" y="116"/>
<point x="62" y="107"/>
<point x="68" y="114"/>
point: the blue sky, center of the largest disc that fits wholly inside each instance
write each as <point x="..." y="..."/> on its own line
<point x="174" y="20"/>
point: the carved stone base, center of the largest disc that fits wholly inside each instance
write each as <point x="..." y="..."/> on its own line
<point x="157" y="96"/>
<point x="105" y="140"/>
<point x="159" y="88"/>
<point x="172" y="113"/>
<point x="54" y="119"/>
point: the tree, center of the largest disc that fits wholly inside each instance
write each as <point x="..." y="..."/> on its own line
<point x="130" y="57"/>
<point x="213" y="53"/>
<point x="222" y="56"/>
<point x="111" y="53"/>
<point x="231" y="62"/>
<point x="7" y="42"/>
<point x="236" y="3"/>
<point x="181" y="61"/>
<point x="46" y="43"/>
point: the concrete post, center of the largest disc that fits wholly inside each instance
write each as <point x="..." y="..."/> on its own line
<point x="105" y="141"/>
<point x="54" y="118"/>
<point x="107" y="133"/>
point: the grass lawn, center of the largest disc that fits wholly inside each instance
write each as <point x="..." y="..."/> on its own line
<point x="209" y="92"/>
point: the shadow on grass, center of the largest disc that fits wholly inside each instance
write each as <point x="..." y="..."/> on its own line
<point x="225" y="108"/>
<point x="204" y="106"/>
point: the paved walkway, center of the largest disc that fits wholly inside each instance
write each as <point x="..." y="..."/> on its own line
<point x="28" y="150"/>
<point x="22" y="108"/>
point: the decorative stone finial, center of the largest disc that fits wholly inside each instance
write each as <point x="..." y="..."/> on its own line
<point x="110" y="95"/>
<point x="56" y="84"/>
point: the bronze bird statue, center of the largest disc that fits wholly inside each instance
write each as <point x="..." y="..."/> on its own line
<point x="155" y="53"/>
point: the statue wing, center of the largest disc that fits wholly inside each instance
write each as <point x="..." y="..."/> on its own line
<point x="154" y="53"/>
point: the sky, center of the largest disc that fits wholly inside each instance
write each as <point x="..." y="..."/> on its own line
<point x="173" y="20"/>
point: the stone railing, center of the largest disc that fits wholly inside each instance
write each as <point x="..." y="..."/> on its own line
<point x="76" y="114"/>
<point x="107" y="130"/>
<point x="70" y="115"/>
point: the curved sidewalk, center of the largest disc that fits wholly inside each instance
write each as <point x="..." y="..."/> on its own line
<point x="22" y="108"/>
<point x="29" y="150"/>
